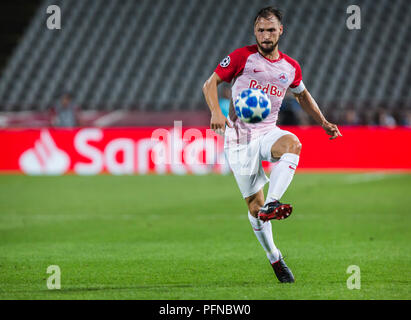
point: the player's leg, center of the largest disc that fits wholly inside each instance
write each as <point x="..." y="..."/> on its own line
<point x="286" y="149"/>
<point x="245" y="162"/>
<point x="262" y="230"/>
<point x="264" y="234"/>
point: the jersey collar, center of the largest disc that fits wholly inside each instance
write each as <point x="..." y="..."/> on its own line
<point x="280" y="56"/>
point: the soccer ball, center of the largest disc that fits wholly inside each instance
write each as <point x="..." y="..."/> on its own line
<point x="252" y="105"/>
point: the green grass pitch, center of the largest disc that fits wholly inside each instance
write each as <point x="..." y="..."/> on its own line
<point x="188" y="237"/>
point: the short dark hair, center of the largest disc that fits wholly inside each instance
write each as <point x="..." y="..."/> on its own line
<point x="267" y="12"/>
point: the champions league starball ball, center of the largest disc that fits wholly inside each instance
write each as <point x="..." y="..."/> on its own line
<point x="252" y="105"/>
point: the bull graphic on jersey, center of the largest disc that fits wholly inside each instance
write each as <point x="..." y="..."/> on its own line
<point x="283" y="78"/>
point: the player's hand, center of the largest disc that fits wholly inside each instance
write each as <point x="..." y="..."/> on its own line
<point x="218" y="122"/>
<point x="331" y="129"/>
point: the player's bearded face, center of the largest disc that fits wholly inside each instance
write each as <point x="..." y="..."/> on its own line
<point x="267" y="46"/>
<point x="267" y="33"/>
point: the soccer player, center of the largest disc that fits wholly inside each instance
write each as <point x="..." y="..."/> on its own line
<point x="263" y="66"/>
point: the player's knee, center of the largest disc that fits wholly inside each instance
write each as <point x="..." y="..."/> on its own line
<point x="295" y="146"/>
<point x="286" y="144"/>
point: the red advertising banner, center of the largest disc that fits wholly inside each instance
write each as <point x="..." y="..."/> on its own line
<point x="187" y="150"/>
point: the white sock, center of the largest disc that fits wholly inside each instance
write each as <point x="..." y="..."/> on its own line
<point x="264" y="234"/>
<point x="281" y="176"/>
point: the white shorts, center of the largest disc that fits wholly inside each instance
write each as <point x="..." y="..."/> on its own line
<point x="245" y="161"/>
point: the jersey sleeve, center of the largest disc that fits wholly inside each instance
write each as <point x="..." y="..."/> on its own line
<point x="232" y="65"/>
<point x="297" y="86"/>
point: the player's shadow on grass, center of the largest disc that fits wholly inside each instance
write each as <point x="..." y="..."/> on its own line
<point x="154" y="286"/>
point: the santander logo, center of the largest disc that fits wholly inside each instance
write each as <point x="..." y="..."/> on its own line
<point x="45" y="157"/>
<point x="89" y="151"/>
<point x="268" y="89"/>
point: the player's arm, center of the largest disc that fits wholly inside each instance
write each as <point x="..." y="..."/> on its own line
<point x="309" y="105"/>
<point x="218" y="120"/>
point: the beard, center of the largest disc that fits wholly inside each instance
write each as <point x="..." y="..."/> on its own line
<point x="268" y="49"/>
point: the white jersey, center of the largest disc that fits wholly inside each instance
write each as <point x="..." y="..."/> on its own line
<point x="247" y="68"/>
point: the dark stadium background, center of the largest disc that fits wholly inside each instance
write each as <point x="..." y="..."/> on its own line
<point x="153" y="56"/>
<point x="134" y="66"/>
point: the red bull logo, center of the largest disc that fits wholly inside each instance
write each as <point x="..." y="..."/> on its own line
<point x="269" y="89"/>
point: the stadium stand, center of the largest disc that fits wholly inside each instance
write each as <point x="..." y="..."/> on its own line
<point x="155" y="55"/>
